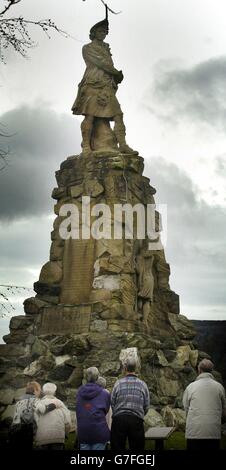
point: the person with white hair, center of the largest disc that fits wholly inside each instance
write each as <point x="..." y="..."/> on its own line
<point x="130" y="401"/>
<point x="204" y="403"/>
<point x="52" y="427"/>
<point x="92" y="406"/>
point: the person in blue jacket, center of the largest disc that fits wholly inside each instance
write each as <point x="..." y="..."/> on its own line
<point x="92" y="405"/>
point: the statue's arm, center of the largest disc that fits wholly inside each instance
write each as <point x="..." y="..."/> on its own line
<point x="90" y="56"/>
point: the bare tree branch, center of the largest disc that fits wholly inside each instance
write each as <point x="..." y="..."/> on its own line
<point x="4" y="152"/>
<point x="6" y="306"/>
<point x="11" y="3"/>
<point x="15" y="31"/>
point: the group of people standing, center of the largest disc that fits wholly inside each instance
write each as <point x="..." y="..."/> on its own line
<point x="104" y="418"/>
<point x="127" y="405"/>
<point x="40" y="422"/>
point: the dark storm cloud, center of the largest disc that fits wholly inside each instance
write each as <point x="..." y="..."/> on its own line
<point x="196" y="241"/>
<point x="40" y="140"/>
<point x="197" y="93"/>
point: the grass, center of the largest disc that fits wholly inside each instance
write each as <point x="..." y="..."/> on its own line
<point x="175" y="442"/>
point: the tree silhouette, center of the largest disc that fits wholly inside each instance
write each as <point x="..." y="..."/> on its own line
<point x="15" y="31"/>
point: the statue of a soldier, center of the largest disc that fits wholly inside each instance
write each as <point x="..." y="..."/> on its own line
<point x="96" y="93"/>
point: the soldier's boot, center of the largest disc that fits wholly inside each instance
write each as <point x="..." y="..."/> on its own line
<point x="86" y="129"/>
<point x="120" y="133"/>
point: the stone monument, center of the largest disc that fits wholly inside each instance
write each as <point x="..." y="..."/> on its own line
<point x="101" y="293"/>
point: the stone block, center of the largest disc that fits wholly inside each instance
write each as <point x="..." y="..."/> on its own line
<point x="20" y="322"/>
<point x="100" y="295"/>
<point x="98" y="325"/>
<point x="33" y="305"/>
<point x="59" y="193"/>
<point x="159" y="359"/>
<point x="76" y="191"/>
<point x="39" y="348"/>
<point x="182" y="326"/>
<point x="46" y="289"/>
<point x="12" y="350"/>
<point x="60" y="360"/>
<point x="6" y="396"/>
<point x="153" y="419"/>
<point x="60" y="373"/>
<point x="51" y="272"/>
<point x="111" y="282"/>
<point x="44" y="363"/>
<point x="174" y="417"/>
<point x="193" y="357"/>
<point x="111" y="368"/>
<point x="56" y="251"/>
<point x="129" y="353"/>
<point x="75" y="379"/>
<point x="8" y="413"/>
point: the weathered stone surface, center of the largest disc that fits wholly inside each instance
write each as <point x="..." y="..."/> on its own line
<point x="20" y="322"/>
<point x="46" y="289"/>
<point x="182" y="326"/>
<point x="12" y="350"/>
<point x="64" y="320"/>
<point x="60" y="373"/>
<point x="113" y="264"/>
<point x="153" y="419"/>
<point x="193" y="357"/>
<point x="43" y="363"/>
<point x="63" y="345"/>
<point x="75" y="379"/>
<point x="39" y="348"/>
<point x="182" y="356"/>
<point x="23" y="361"/>
<point x="127" y="353"/>
<point x="7" y="396"/>
<point x="170" y="355"/>
<point x="116" y="311"/>
<point x="60" y="360"/>
<point x="174" y="417"/>
<point x="8" y="413"/>
<point x="107" y="282"/>
<point x="76" y="191"/>
<point x="52" y="272"/>
<point x="49" y="299"/>
<point x="110" y="368"/>
<point x="56" y="252"/>
<point x="98" y="325"/>
<point x="137" y="341"/>
<point x="159" y="359"/>
<point x="33" y="305"/>
<point x="168" y="387"/>
<point x="13" y="378"/>
<point x="59" y="193"/>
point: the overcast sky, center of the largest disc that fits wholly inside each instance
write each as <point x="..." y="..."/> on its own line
<point x="173" y="56"/>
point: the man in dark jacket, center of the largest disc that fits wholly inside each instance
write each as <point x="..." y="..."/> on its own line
<point x="92" y="405"/>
